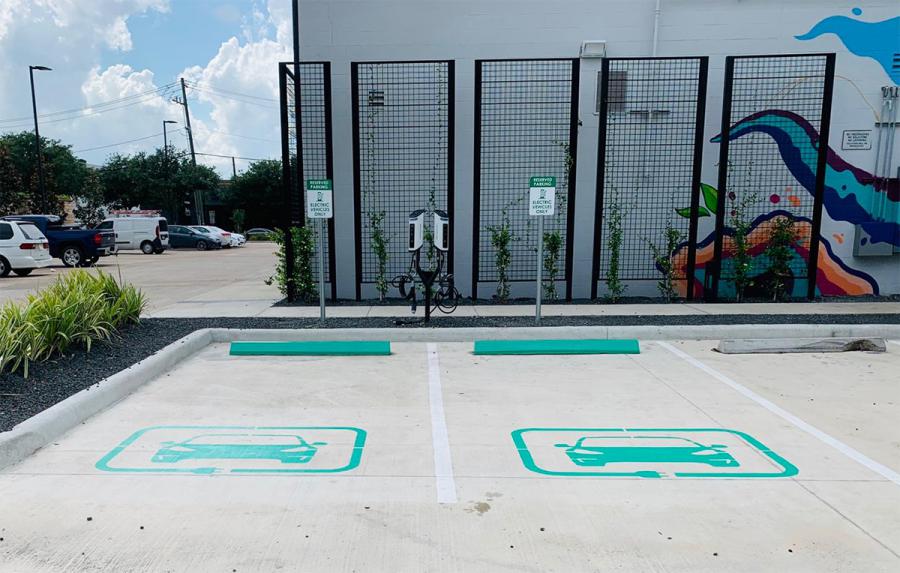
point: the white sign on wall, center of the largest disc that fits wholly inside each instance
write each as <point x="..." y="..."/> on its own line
<point x="542" y="196"/>
<point x="857" y="139"/>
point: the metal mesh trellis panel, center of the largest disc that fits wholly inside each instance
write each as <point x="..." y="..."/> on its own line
<point x="315" y="122"/>
<point x="403" y="127"/>
<point x="771" y="103"/>
<point x="525" y="126"/>
<point x="651" y="129"/>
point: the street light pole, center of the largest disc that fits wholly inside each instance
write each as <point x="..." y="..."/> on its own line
<point x="37" y="138"/>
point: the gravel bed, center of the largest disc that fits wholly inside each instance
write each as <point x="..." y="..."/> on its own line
<point x="56" y="380"/>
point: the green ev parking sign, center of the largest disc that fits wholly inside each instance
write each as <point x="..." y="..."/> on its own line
<point x="237" y="450"/>
<point x="648" y="453"/>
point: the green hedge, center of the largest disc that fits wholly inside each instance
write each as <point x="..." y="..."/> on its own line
<point x="77" y="310"/>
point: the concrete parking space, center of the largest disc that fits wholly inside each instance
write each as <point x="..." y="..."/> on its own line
<point x="221" y="283"/>
<point x="435" y="459"/>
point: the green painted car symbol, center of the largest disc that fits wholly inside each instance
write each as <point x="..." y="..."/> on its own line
<point x="285" y="448"/>
<point x="598" y="451"/>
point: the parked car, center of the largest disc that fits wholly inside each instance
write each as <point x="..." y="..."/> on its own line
<point x="259" y="233"/>
<point x="75" y="246"/>
<point x="224" y="237"/>
<point x="238" y="240"/>
<point x="23" y="248"/>
<point x="149" y="234"/>
<point x="181" y="237"/>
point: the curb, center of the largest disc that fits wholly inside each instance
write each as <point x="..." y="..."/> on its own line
<point x="44" y="427"/>
<point x="648" y="332"/>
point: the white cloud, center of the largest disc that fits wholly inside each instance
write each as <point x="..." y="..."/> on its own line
<point x="248" y="68"/>
<point x="71" y="36"/>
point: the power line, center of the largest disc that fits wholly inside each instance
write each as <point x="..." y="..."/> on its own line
<point x="118" y="143"/>
<point x="204" y="86"/>
<point x="236" y="157"/>
<point x="84" y="115"/>
<point x="208" y="130"/>
<point x="97" y="106"/>
<point x="233" y="98"/>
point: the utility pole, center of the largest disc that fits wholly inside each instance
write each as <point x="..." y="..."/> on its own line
<point x="177" y="212"/>
<point x="233" y="168"/>
<point x="198" y="197"/>
<point x="37" y="139"/>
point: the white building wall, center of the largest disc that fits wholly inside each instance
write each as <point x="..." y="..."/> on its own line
<point x="462" y="30"/>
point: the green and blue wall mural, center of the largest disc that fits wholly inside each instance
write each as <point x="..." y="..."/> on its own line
<point x="876" y="40"/>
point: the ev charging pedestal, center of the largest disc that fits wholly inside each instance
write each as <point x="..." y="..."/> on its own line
<point x="320" y="206"/>
<point x="541" y="202"/>
<point x="441" y="244"/>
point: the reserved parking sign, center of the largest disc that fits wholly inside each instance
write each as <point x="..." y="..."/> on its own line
<point x="319" y="203"/>
<point x="542" y="196"/>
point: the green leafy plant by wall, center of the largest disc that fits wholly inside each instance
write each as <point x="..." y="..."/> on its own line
<point x="742" y="260"/>
<point x="779" y="251"/>
<point x="615" y="236"/>
<point x="304" y="253"/>
<point x="76" y="311"/>
<point x="552" y="247"/>
<point x="379" y="243"/>
<point x="663" y="257"/>
<point x="501" y="237"/>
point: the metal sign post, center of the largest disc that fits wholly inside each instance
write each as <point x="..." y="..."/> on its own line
<point x="542" y="202"/>
<point x="320" y="205"/>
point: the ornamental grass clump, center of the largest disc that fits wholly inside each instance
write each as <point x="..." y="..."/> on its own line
<point x="79" y="309"/>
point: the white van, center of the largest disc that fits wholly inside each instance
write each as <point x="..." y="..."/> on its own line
<point x="149" y="234"/>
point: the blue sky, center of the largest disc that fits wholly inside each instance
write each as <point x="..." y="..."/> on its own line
<point x="105" y="50"/>
<point x="188" y="35"/>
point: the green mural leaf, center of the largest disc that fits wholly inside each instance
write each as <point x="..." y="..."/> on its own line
<point x="710" y="197"/>
<point x="686" y="212"/>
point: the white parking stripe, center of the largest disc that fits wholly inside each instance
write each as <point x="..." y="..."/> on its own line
<point x="443" y="465"/>
<point x="812" y="430"/>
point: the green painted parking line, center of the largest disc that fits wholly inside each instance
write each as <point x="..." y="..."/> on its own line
<point x="648" y="453"/>
<point x="596" y="346"/>
<point x="312" y="348"/>
<point x="206" y="450"/>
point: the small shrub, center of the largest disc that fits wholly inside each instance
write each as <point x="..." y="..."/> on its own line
<point x="77" y="310"/>
<point x="304" y="251"/>
<point x="501" y="236"/>
<point x="780" y="251"/>
<point x="614" y="226"/>
<point x="379" y="243"/>
<point x="663" y="257"/>
<point x="552" y="247"/>
<point x="741" y="257"/>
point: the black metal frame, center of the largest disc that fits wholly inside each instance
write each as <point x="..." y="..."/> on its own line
<point x="696" y="141"/>
<point x="448" y="148"/>
<point x="714" y="275"/>
<point x="526" y="274"/>
<point x="294" y="196"/>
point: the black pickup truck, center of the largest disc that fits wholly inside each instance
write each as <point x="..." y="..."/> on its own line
<point x="75" y="246"/>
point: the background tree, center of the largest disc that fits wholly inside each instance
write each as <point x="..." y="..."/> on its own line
<point x="13" y="196"/>
<point x="258" y="192"/>
<point x="155" y="181"/>
<point x="64" y="174"/>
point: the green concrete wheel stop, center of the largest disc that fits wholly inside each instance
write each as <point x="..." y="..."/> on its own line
<point x="312" y="348"/>
<point x="597" y="346"/>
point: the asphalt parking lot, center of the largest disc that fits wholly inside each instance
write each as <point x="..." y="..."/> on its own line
<point x="435" y="459"/>
<point x="177" y="277"/>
